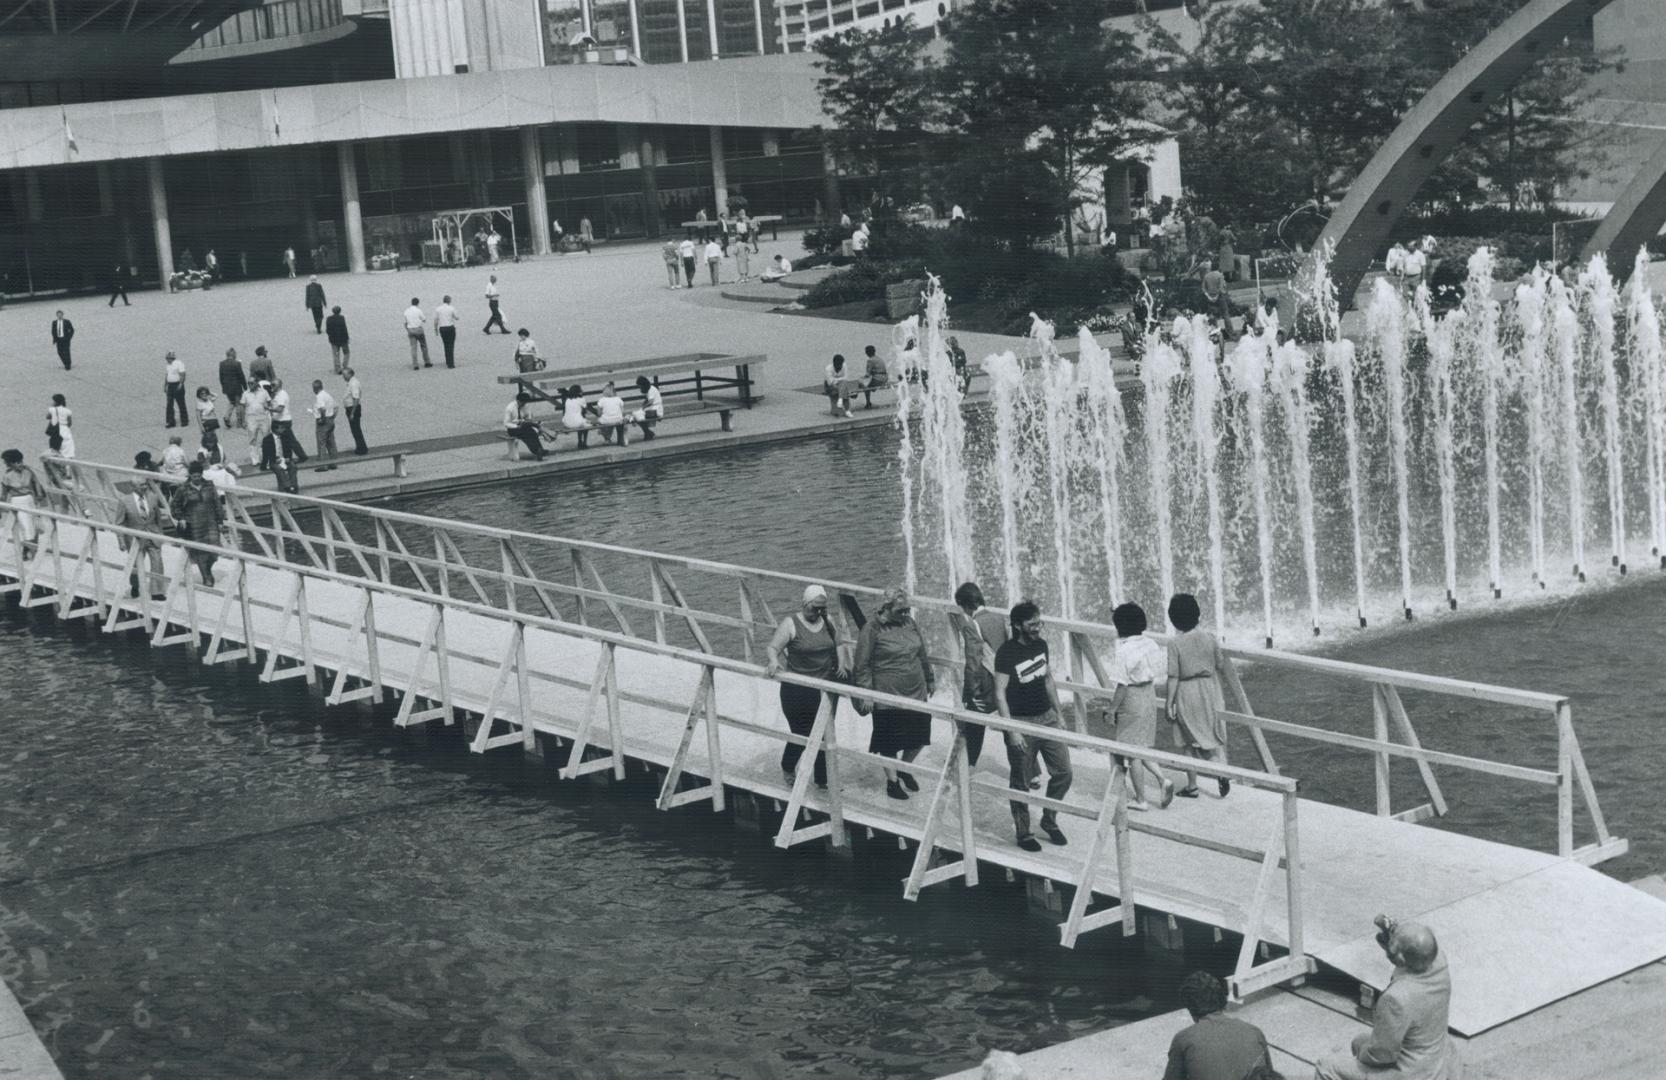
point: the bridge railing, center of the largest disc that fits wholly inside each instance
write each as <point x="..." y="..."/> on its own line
<point x="732" y="610"/>
<point x="80" y="562"/>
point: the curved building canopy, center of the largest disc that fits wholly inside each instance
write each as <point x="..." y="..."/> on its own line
<point x="56" y="40"/>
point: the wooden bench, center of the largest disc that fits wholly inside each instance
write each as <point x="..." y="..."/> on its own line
<point x="678" y="411"/>
<point x="684" y="375"/>
<point x="399" y="452"/>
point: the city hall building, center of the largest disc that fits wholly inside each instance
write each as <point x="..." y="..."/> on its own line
<point x="150" y="132"/>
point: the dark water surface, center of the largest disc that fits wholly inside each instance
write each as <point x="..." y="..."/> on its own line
<point x="202" y="876"/>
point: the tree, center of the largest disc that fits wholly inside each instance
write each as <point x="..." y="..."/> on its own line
<point x="1530" y="142"/>
<point x="1047" y="95"/>
<point x="879" y="89"/>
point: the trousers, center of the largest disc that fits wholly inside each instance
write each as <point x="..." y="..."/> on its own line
<point x="355" y="414"/>
<point x="799" y="704"/>
<point x="1023" y="761"/>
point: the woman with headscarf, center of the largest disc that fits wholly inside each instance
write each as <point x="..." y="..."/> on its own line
<point x="891" y="658"/>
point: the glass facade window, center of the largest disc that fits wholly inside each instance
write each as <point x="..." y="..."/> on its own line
<point x="563" y="21"/>
<point x="699" y="34"/>
<point x="736" y="28"/>
<point x="685" y="144"/>
<point x="610" y="22"/>
<point x="597" y="146"/>
<point x="661" y="42"/>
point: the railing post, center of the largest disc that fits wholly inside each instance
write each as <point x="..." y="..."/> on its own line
<point x="1379" y="716"/>
<point x="1293" y="875"/>
<point x="1564" y="780"/>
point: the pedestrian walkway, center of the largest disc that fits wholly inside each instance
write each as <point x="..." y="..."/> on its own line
<point x="352" y="598"/>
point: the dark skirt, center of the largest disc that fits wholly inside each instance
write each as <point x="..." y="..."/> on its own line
<point x="897" y="731"/>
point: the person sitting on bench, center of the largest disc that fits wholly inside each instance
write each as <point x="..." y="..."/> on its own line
<point x="653" y="406"/>
<point x="521" y="426"/>
<point x="611" y="415"/>
<point x="876" y="377"/>
<point x="574" y="414"/>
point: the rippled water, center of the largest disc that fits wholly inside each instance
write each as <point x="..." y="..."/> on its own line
<point x="204" y="876"/>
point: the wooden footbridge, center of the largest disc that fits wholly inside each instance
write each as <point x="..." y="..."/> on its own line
<point x="607" y="654"/>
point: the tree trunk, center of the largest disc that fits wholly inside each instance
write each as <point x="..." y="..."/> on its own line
<point x="1510" y="147"/>
<point x="1069" y="196"/>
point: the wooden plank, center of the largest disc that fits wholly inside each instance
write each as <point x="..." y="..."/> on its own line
<point x="1397" y="712"/>
<point x="1112" y="807"/>
<point x="1379" y="729"/>
<point x="934" y="820"/>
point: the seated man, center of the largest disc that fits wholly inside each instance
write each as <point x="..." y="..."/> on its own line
<point x="778" y="269"/>
<point x="876" y="377"/>
<point x="1216" y="1046"/>
<point x="1408" y="1039"/>
<point x="520" y="425"/>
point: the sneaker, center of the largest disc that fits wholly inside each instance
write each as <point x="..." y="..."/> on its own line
<point x="1187" y="793"/>
<point x="895" y="790"/>
<point x="1054" y="833"/>
<point x="1029" y="843"/>
<point x="1140" y="805"/>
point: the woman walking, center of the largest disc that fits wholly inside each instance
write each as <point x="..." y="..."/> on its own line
<point x="891" y="658"/>
<point x="60" y="438"/>
<point x="806" y="643"/>
<point x="1193" y="692"/>
<point x="20" y="487"/>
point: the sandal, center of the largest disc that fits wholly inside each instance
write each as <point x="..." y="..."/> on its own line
<point x="1187" y="793"/>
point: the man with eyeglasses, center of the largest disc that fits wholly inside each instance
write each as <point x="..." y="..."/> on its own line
<point x="1025" y="691"/>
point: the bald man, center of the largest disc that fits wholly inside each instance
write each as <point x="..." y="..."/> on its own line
<point x="1408" y="1039"/>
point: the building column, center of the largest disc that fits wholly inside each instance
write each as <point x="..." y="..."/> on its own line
<point x="720" y="172"/>
<point x="35" y="205"/>
<point x="711" y="25"/>
<point x="648" y="155"/>
<point x="159" y="216"/>
<point x="106" y="189"/>
<point x="682" y="29"/>
<point x="347" y="164"/>
<point x="537" y="203"/>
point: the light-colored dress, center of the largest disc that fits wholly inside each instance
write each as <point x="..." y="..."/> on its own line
<point x="61" y="415"/>
<point x="1135" y="666"/>
<point x="1194" y="658"/>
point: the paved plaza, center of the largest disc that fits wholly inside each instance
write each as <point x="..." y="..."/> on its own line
<point x="581" y="309"/>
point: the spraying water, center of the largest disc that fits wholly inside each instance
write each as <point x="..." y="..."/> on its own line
<point x="1006" y="379"/>
<point x="1439" y="336"/>
<point x="1599" y="285"/>
<point x="1485" y="364"/>
<point x="1162" y="367"/>
<point x="1201" y="354"/>
<point x="1565" y="324"/>
<point x="943" y="430"/>
<point x="1248" y="364"/>
<point x="903" y="337"/>
<point x="1107" y="422"/>
<point x="1532" y="365"/>
<point x="1386" y="330"/>
<point x="1289" y="376"/>
<point x="1643" y="336"/>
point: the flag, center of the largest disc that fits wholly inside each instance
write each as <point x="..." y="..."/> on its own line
<point x="69" y="136"/>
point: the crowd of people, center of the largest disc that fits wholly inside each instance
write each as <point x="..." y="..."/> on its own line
<point x="728" y="237"/>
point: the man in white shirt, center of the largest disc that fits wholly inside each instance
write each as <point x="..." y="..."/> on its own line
<point x="714" y="259"/>
<point x="173" y="384"/>
<point x="493" y="240"/>
<point x="353" y="401"/>
<point x="492" y="299"/>
<point x="859" y="239"/>
<point x="685" y="251"/>
<point x="415" y="320"/>
<point x="445" y="321"/>
<point x="1413" y="265"/>
<point x="283" y="424"/>
<point x="220" y="474"/>
<point x="324" y="419"/>
<point x="781" y="268"/>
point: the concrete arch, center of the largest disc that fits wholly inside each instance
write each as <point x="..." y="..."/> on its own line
<point x="1436" y="125"/>
<point x="1634" y="219"/>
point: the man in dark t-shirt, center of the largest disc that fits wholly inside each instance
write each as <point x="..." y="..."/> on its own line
<point x="1024" y="690"/>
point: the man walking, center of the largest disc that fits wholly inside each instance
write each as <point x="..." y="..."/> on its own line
<point x="261" y="368"/>
<point x="982" y="633"/>
<point x="315" y="303"/>
<point x="232" y="384"/>
<point x="118" y="285"/>
<point x="445" y="321"/>
<point x="173" y="384"/>
<point x="62" y="332"/>
<point x="415" y="320"/>
<point x="283" y="425"/>
<point x="141" y="511"/>
<point x="1025" y="691"/>
<point x="288" y="260"/>
<point x="324" y="420"/>
<point x="335" y="328"/>
<point x="492" y="299"/>
<point x="353" y="401"/>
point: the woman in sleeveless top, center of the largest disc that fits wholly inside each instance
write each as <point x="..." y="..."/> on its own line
<point x="22" y="489"/>
<point x="59" y="417"/>
<point x="1194" y="690"/>
<point x="805" y="644"/>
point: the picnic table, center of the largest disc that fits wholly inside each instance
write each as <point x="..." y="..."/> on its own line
<point x="702" y="376"/>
